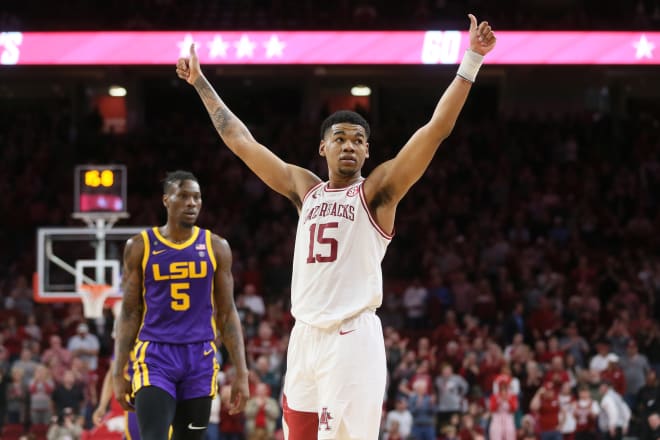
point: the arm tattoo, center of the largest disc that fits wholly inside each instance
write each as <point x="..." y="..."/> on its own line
<point x="220" y="118"/>
<point x="218" y="111"/>
<point x="225" y="123"/>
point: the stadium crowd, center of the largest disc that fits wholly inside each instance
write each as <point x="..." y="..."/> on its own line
<point x="521" y="294"/>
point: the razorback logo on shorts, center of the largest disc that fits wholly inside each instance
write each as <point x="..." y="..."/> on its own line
<point x="324" y="419"/>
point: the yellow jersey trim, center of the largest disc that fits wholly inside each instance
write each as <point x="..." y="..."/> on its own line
<point x="173" y="245"/>
<point x="145" y="260"/>
<point x="214" y="263"/>
<point x="127" y="432"/>
<point x="216" y="368"/>
<point x="209" y="248"/>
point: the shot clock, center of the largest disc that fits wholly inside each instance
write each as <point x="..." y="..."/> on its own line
<point x="100" y="189"/>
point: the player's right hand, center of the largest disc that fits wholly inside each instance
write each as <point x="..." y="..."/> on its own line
<point x="188" y="68"/>
<point x="122" y="389"/>
<point x="482" y="37"/>
<point x="240" y="392"/>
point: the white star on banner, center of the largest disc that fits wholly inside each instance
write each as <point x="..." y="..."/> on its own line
<point x="244" y="47"/>
<point x="274" y="47"/>
<point x="218" y="47"/>
<point x="644" y="48"/>
<point x="184" y="46"/>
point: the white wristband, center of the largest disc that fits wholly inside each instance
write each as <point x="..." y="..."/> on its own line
<point x="470" y="65"/>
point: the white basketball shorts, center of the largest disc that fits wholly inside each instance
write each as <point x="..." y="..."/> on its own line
<point x="335" y="380"/>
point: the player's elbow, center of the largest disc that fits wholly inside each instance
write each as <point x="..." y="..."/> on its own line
<point x="444" y="131"/>
<point x="440" y="130"/>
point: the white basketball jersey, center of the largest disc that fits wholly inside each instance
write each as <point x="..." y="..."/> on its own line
<point x="337" y="259"/>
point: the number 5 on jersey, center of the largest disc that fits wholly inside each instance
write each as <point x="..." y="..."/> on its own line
<point x="317" y="237"/>
<point x="180" y="299"/>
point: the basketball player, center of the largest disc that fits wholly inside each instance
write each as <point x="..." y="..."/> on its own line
<point x="335" y="379"/>
<point x="178" y="288"/>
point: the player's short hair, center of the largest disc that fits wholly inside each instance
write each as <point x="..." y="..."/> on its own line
<point x="345" y="116"/>
<point x="175" y="178"/>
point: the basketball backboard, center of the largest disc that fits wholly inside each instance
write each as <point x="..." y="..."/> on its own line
<point x="70" y="259"/>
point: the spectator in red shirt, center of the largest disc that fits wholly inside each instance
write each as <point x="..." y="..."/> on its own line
<point x="510" y="351"/>
<point x="261" y="413"/>
<point x="503" y="406"/>
<point x="421" y="374"/>
<point x="546" y="404"/>
<point x="469" y="430"/>
<point x="541" y="353"/>
<point x="490" y="366"/>
<point x="13" y="338"/>
<point x="586" y="412"/>
<point x="553" y="348"/>
<point x="447" y="331"/>
<point x="584" y="273"/>
<point x="425" y="351"/>
<point x="557" y="374"/>
<point x="484" y="302"/>
<point x="56" y="350"/>
<point x="544" y="320"/>
<point x="265" y="343"/>
<point x="614" y="374"/>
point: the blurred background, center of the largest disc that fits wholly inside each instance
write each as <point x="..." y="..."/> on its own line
<point x="528" y="255"/>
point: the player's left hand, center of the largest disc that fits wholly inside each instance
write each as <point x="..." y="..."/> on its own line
<point x="240" y="392"/>
<point x="122" y="389"/>
<point x="482" y="37"/>
<point x="188" y="68"/>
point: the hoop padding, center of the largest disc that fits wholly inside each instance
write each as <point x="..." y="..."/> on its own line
<point x="93" y="297"/>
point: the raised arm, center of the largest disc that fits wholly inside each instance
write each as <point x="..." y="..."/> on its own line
<point x="229" y="324"/>
<point x="390" y="181"/>
<point x="289" y="180"/>
<point x="130" y="317"/>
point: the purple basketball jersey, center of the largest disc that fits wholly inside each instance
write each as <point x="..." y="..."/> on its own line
<point x="178" y="288"/>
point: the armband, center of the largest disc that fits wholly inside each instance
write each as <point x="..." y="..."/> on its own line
<point x="470" y="65"/>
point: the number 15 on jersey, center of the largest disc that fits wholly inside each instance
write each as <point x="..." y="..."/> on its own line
<point x="322" y="249"/>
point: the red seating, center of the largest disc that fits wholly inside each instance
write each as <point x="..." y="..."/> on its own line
<point x="12" y="431"/>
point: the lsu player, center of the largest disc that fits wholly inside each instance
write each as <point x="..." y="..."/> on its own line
<point x="177" y="290"/>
